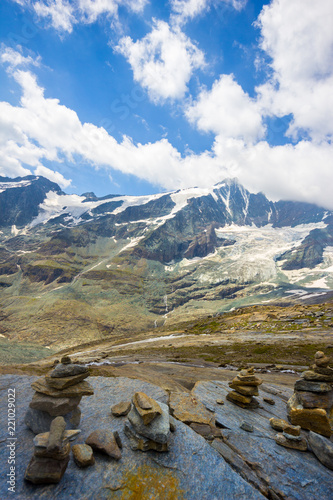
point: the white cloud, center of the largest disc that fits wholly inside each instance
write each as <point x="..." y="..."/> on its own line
<point x="60" y="12"/>
<point x="14" y="58"/>
<point x="183" y="10"/>
<point x="163" y="61"/>
<point x="298" y="37"/>
<point x="52" y="176"/>
<point x="62" y="15"/>
<point x="227" y="111"/>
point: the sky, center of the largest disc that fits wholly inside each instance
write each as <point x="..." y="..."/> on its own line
<point x="144" y="96"/>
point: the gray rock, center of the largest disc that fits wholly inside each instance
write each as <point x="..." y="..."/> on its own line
<point x="158" y="430"/>
<point x="246" y="427"/>
<point x="322" y="448"/>
<point x="138" y="442"/>
<point x="45" y="470"/>
<point x="191" y="469"/>
<point x="279" y="472"/>
<point x="307" y="385"/>
<point x="54" y="406"/>
<point x="68" y="370"/>
<point x="40" y="421"/>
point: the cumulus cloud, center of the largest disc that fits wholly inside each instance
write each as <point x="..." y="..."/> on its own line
<point x="163" y="61"/>
<point x="227" y="111"/>
<point x="298" y="37"/>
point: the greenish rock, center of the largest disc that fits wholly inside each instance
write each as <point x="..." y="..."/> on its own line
<point x="142" y="443"/>
<point x="57" y="429"/>
<point x="246" y="427"/>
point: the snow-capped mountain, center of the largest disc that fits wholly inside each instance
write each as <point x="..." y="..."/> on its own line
<point x="147" y="259"/>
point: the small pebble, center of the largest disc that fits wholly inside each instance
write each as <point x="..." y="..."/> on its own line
<point x="270" y="401"/>
<point x="246" y="427"/>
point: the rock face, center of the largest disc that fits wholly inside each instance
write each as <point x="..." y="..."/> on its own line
<point x="58" y="394"/>
<point x="245" y="386"/>
<point x="322" y="448"/>
<point x="311" y="406"/>
<point x="276" y="471"/>
<point x="191" y="469"/>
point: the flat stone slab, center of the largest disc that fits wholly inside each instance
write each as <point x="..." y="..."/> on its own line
<point x="190" y="470"/>
<point x="189" y="409"/>
<point x="292" y="474"/>
<point x="78" y="390"/>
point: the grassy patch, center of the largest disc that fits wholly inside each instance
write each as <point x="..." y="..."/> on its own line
<point x="21" y="352"/>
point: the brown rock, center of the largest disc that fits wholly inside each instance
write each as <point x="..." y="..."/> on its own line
<point x="315" y="420"/>
<point x="294" y="430"/>
<point x="220" y="401"/>
<point x="79" y="390"/>
<point x="270" y="401"/>
<point x="121" y="409"/>
<point x="188" y="409"/>
<point x="83" y="455"/>
<point x="45" y="470"/>
<point x="207" y="431"/>
<point x="64" y="382"/>
<point x="323" y="370"/>
<point x="244" y="381"/>
<point x="41" y="451"/>
<point x="278" y="424"/>
<point x="57" y="429"/>
<point x="246" y="390"/>
<point x="54" y="406"/>
<point x="301" y="445"/>
<point x="315" y="400"/>
<point x="151" y="407"/>
<point x="42" y="440"/>
<point x="65" y="360"/>
<point x="316" y="377"/>
<point x="239" y="398"/>
<point x="104" y="441"/>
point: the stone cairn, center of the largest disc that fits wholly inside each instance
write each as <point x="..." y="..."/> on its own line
<point x="51" y="454"/>
<point x="148" y="424"/>
<point x="58" y="394"/>
<point x="245" y="386"/>
<point x="311" y="406"/>
<point x="289" y="435"/>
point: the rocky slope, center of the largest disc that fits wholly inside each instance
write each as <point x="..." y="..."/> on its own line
<point x="81" y="267"/>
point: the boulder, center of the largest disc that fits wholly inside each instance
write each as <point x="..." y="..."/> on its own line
<point x="142" y="443"/>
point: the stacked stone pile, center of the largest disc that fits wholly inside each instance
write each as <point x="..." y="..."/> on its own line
<point x="148" y="424"/>
<point x="291" y="438"/>
<point x="311" y="405"/>
<point x="245" y="386"/>
<point x="58" y="394"/>
<point x="51" y="454"/>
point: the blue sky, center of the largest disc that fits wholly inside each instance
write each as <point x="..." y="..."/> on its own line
<point x="141" y="96"/>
